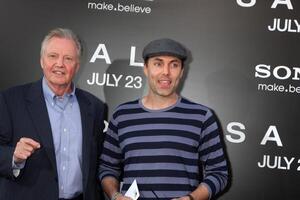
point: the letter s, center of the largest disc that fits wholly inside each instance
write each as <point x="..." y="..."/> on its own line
<point x="241" y="135"/>
<point x="262" y="71"/>
<point x="243" y="4"/>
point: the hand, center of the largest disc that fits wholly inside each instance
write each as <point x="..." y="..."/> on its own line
<point x="24" y="149"/>
<point x="122" y="197"/>
<point x="182" y="198"/>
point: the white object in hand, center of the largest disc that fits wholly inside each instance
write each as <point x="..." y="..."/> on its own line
<point x="133" y="191"/>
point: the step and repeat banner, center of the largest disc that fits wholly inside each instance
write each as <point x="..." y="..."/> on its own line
<point x="244" y="64"/>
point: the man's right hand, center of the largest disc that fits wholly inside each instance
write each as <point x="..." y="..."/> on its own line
<point x="122" y="197"/>
<point x="24" y="149"/>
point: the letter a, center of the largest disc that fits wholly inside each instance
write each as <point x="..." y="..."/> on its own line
<point x="285" y="2"/>
<point x="97" y="54"/>
<point x="275" y="138"/>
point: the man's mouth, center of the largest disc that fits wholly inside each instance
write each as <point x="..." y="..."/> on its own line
<point x="58" y="72"/>
<point x="164" y="83"/>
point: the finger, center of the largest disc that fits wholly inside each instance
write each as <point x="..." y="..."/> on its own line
<point x="28" y="148"/>
<point x="23" y="151"/>
<point x="20" y="156"/>
<point x="24" y="147"/>
<point x="31" y="142"/>
<point x="127" y="198"/>
<point x="122" y="197"/>
<point x="24" y="154"/>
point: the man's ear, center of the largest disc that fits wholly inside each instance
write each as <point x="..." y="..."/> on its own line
<point x="182" y="72"/>
<point x="41" y="63"/>
<point x="77" y="67"/>
<point x="145" y="70"/>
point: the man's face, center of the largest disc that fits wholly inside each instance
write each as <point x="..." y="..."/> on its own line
<point x="60" y="62"/>
<point x="164" y="74"/>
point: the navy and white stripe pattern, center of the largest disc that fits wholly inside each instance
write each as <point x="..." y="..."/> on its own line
<point x="169" y="152"/>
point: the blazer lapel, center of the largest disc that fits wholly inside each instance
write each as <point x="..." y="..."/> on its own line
<point x="38" y="112"/>
<point x="87" y="131"/>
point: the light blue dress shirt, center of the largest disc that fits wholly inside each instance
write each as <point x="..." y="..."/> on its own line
<point x="65" y="119"/>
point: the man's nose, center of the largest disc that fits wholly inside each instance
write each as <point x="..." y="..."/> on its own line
<point x="60" y="62"/>
<point x="166" y="70"/>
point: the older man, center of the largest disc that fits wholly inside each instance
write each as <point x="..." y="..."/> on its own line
<point x="170" y="145"/>
<point x="51" y="131"/>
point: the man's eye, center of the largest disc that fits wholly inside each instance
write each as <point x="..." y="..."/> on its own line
<point x="175" y="65"/>
<point x="52" y="56"/>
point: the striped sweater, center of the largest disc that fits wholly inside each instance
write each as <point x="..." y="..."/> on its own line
<point x="169" y="152"/>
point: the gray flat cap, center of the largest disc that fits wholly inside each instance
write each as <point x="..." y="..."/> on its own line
<point x="164" y="46"/>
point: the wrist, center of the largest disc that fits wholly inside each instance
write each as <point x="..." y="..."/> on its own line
<point x="115" y="196"/>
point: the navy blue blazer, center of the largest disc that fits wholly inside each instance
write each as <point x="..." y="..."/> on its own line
<point x="23" y="113"/>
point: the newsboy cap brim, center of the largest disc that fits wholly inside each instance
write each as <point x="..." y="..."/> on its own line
<point x="164" y="46"/>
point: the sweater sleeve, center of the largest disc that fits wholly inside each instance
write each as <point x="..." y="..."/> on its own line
<point x="111" y="157"/>
<point x="212" y="156"/>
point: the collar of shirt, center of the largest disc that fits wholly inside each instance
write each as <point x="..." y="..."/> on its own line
<point x="54" y="100"/>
